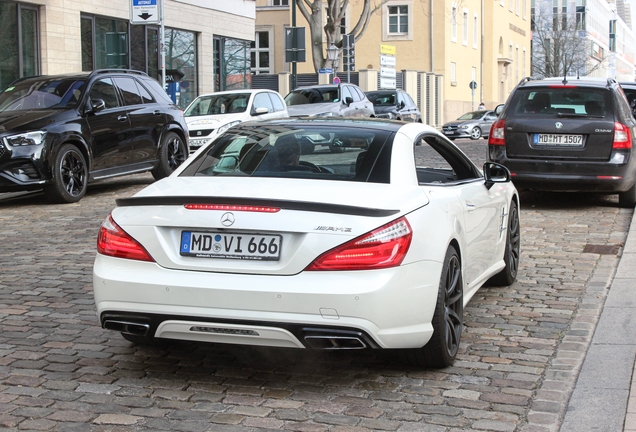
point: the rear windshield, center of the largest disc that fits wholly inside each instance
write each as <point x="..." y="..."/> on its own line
<point x="383" y="99"/>
<point x="562" y="101"/>
<point x="312" y="152"/>
<point x="313" y="95"/>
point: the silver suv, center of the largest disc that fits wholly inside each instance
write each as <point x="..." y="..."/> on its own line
<point x="329" y="100"/>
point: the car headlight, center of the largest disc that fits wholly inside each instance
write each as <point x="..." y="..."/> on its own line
<point x="463" y="127"/>
<point x="227" y="126"/>
<point x="326" y="114"/>
<point x="25" y="139"/>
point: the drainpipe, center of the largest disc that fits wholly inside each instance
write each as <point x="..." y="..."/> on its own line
<point x="481" y="78"/>
<point x="432" y="46"/>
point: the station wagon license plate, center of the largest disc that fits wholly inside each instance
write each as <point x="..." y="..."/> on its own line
<point x="231" y="245"/>
<point x="558" y="140"/>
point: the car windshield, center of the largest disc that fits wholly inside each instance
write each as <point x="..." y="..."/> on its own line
<point x="474" y="115"/>
<point x="312" y="95"/>
<point x="323" y="152"/>
<point x="227" y="103"/>
<point x="382" y="99"/>
<point x="557" y="102"/>
<point x="42" y="94"/>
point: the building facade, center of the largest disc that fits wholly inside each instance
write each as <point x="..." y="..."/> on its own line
<point x="607" y="44"/>
<point x="207" y="43"/>
<point x="479" y="48"/>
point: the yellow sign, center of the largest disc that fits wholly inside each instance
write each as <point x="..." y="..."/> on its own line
<point x="387" y="49"/>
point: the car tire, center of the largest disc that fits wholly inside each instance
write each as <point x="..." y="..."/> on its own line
<point x="69" y="176"/>
<point x="627" y="199"/>
<point x="441" y="349"/>
<point x="172" y="153"/>
<point x="475" y="133"/>
<point x="508" y="275"/>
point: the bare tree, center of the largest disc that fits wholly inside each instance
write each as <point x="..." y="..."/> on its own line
<point x="335" y="10"/>
<point x="559" y="45"/>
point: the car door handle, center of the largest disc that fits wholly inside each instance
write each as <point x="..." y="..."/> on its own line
<point x="470" y="206"/>
<point x="122" y="117"/>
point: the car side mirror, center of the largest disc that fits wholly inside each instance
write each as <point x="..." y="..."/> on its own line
<point x="495" y="173"/>
<point x="260" y="111"/>
<point x="401" y="105"/>
<point x="499" y="109"/>
<point x="95" y="106"/>
<point x="348" y="100"/>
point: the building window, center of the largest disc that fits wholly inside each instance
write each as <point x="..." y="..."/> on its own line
<point x="260" y="53"/>
<point x="465" y="27"/>
<point x="19" y="56"/>
<point x="453" y="77"/>
<point x="110" y="43"/>
<point x="517" y="64"/>
<point x="398" y="20"/>
<point x="517" y="7"/>
<point x="280" y="2"/>
<point x="523" y="71"/>
<point x="524" y="5"/>
<point x="104" y="43"/>
<point x="475" y="31"/>
<point x="181" y="55"/>
<point x="231" y="64"/>
<point x="454" y="23"/>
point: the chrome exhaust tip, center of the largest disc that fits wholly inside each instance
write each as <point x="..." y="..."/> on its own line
<point x="333" y="342"/>
<point x="131" y="328"/>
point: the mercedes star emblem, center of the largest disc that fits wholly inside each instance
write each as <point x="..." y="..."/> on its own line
<point x="227" y="219"/>
<point x="558" y="125"/>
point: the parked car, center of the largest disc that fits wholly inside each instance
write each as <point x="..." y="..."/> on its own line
<point x="329" y="100"/>
<point x="473" y="125"/>
<point x="394" y="105"/>
<point x="629" y="88"/>
<point x="253" y="243"/>
<point x="573" y="134"/>
<point x="58" y="133"/>
<point x="210" y="115"/>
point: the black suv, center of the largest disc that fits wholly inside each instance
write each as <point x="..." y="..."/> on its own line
<point x="571" y="134"/>
<point x="58" y="133"/>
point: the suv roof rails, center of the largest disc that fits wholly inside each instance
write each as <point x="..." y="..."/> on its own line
<point x="127" y="71"/>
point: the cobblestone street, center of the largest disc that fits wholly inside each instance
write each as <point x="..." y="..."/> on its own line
<point x="521" y="349"/>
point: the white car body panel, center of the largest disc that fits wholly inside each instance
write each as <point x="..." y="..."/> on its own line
<point x="393" y="305"/>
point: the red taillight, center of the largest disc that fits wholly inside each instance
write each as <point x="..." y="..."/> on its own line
<point x="381" y="248"/>
<point x="622" y="136"/>
<point x="115" y="242"/>
<point x="230" y="207"/>
<point x="497" y="135"/>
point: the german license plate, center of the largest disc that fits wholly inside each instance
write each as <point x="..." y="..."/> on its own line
<point x="231" y="245"/>
<point x="558" y="140"/>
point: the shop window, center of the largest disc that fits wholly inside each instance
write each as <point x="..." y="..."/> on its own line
<point x="19" y="55"/>
<point x="231" y="64"/>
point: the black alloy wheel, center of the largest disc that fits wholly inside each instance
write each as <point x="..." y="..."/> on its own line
<point x="69" y="176"/>
<point x="172" y="153"/>
<point x="442" y="348"/>
<point x="508" y="275"/>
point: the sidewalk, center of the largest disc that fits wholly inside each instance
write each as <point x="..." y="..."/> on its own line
<point x="604" y="397"/>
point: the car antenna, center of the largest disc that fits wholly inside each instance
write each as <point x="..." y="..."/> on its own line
<point x="565" y="78"/>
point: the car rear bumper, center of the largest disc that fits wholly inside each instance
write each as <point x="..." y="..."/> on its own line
<point x="569" y="176"/>
<point x="390" y="308"/>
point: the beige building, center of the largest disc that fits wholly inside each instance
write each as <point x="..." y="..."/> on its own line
<point x="445" y="44"/>
<point x="206" y="41"/>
